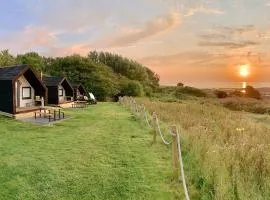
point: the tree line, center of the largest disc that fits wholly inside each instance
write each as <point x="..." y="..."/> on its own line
<point x="105" y="74"/>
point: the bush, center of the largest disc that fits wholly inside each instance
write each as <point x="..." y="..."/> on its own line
<point x="236" y="93"/>
<point x="252" y="92"/>
<point x="248" y="106"/>
<point x="180" y="84"/>
<point x="221" y="94"/>
<point x="190" y="91"/>
<point x="132" y="88"/>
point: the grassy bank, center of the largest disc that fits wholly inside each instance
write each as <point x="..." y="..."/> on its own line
<point x="101" y="153"/>
<point x="226" y="152"/>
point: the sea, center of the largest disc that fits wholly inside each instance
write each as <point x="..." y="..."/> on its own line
<point x="227" y="85"/>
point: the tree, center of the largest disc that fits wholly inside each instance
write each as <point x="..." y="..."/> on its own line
<point x="6" y="58"/>
<point x="33" y="59"/>
<point x="180" y="84"/>
<point x="252" y="92"/>
<point x="221" y="94"/>
<point x="132" y="88"/>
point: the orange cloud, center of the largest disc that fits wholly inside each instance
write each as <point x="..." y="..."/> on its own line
<point x="132" y="35"/>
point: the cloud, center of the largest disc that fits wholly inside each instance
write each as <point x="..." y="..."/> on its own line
<point x="181" y="59"/>
<point x="28" y="39"/>
<point x="68" y="50"/>
<point x="202" y="9"/>
<point x="220" y="38"/>
<point x="235" y="30"/>
<point x="212" y="36"/>
<point x="231" y="45"/>
<point x="131" y="35"/>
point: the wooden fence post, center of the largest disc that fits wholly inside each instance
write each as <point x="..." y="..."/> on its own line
<point x="141" y="112"/>
<point x="154" y="127"/>
<point x="175" y="155"/>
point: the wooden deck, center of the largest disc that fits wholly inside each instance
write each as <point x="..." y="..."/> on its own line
<point x="28" y="109"/>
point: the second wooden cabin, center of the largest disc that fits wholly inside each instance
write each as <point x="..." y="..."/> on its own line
<point x="79" y="91"/>
<point x="60" y="90"/>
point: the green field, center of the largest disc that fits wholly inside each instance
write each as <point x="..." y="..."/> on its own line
<point x="101" y="153"/>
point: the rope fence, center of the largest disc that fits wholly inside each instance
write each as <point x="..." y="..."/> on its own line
<point x="141" y="113"/>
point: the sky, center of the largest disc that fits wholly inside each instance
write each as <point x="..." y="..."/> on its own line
<point x="197" y="42"/>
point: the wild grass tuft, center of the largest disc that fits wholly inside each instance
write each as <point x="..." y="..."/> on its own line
<point x="226" y="153"/>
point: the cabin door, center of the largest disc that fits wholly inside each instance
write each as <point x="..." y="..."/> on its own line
<point x="18" y="85"/>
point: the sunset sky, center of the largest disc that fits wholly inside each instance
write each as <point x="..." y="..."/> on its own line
<point x="192" y="41"/>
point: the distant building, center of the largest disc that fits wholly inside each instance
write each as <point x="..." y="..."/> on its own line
<point x="60" y="90"/>
<point x="79" y="90"/>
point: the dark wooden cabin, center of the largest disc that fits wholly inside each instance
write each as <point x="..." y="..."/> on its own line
<point x="20" y="89"/>
<point x="79" y="90"/>
<point x="59" y="90"/>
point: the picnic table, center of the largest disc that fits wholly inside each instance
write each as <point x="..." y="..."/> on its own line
<point x="50" y="113"/>
<point x="79" y="104"/>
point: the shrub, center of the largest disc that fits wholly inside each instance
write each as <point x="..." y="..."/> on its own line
<point x="252" y="92"/>
<point x="236" y="93"/>
<point x="190" y="91"/>
<point x="132" y="88"/>
<point x="221" y="94"/>
<point x="180" y="84"/>
<point x="248" y="106"/>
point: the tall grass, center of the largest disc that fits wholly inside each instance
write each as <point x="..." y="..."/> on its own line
<point x="227" y="154"/>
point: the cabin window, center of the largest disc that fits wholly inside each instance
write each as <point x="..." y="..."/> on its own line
<point x="61" y="92"/>
<point x="26" y="93"/>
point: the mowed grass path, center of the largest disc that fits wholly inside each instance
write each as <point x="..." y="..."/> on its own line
<point x="101" y="153"/>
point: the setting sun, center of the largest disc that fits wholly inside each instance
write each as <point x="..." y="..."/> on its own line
<point x="244" y="70"/>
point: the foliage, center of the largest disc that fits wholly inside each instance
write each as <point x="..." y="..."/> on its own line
<point x="6" y="58"/>
<point x="189" y="91"/>
<point x="126" y="67"/>
<point x="180" y="84"/>
<point x="132" y="88"/>
<point x="33" y="59"/>
<point x="102" y="73"/>
<point x="97" y="78"/>
<point x="248" y="105"/>
<point x="249" y="92"/>
<point x="236" y="93"/>
<point x="221" y="94"/>
<point x="101" y="153"/>
<point x="252" y="92"/>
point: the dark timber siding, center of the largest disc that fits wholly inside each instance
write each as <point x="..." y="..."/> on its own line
<point x="6" y="96"/>
<point x="53" y="95"/>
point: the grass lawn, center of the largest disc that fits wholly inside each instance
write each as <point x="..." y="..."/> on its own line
<point x="101" y="153"/>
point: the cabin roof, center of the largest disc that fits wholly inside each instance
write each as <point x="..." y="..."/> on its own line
<point x="75" y="85"/>
<point x="52" y="80"/>
<point x="11" y="72"/>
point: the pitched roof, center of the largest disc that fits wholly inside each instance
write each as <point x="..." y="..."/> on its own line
<point x="75" y="85"/>
<point x="52" y="80"/>
<point x="11" y="72"/>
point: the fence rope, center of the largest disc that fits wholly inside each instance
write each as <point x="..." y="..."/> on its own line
<point x="160" y="133"/>
<point x="146" y="118"/>
<point x="182" y="165"/>
<point x="135" y="108"/>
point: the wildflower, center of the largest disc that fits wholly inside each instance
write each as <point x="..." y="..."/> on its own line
<point x="240" y="129"/>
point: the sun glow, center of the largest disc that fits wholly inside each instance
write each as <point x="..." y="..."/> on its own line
<point x="244" y="70"/>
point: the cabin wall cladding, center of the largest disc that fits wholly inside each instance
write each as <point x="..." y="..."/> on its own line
<point x="23" y="102"/>
<point x="61" y="98"/>
<point x="6" y="96"/>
